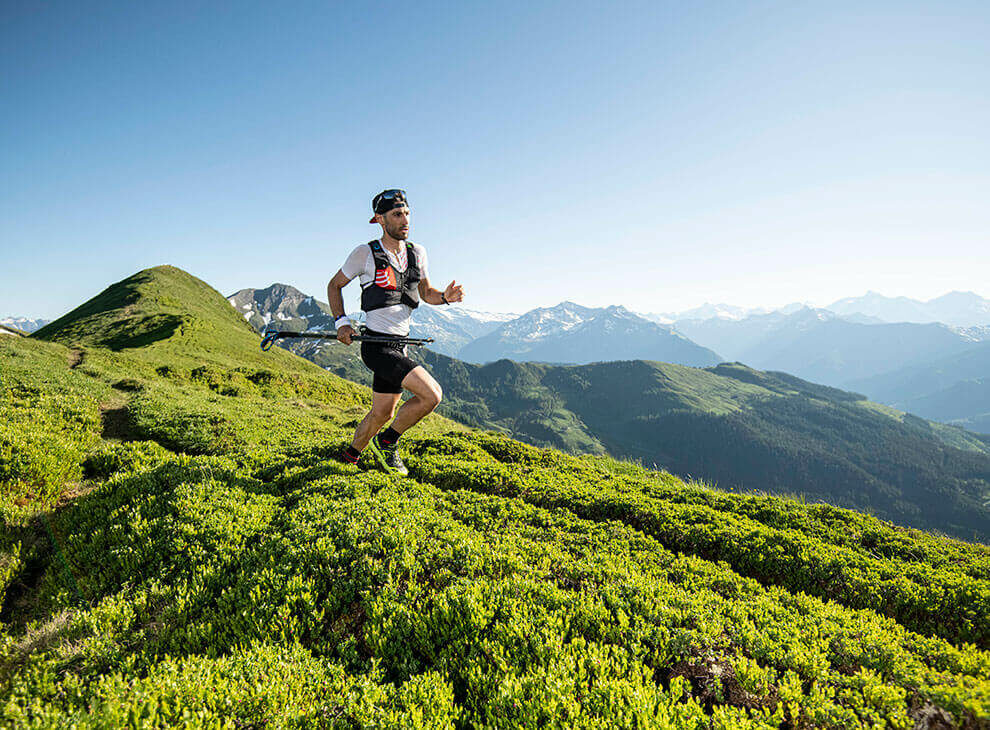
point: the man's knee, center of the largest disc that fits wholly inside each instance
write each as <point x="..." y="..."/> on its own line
<point x="433" y="396"/>
<point x="382" y="413"/>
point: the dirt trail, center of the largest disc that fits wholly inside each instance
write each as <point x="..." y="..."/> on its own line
<point x="116" y="422"/>
<point x="76" y="358"/>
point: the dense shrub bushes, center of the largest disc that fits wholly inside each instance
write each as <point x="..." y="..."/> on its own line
<point x="799" y="552"/>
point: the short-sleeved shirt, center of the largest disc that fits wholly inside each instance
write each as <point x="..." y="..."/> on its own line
<point x="392" y="320"/>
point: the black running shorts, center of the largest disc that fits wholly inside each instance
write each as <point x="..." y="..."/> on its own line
<point x="387" y="361"/>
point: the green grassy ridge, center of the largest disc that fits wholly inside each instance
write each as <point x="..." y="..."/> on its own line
<point x="945" y="601"/>
<point x="210" y="346"/>
<point x="167" y="317"/>
<point x="224" y="577"/>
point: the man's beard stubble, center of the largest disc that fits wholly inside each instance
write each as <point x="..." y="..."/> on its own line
<point x="397" y="233"/>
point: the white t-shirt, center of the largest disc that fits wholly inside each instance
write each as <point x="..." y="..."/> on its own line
<point x="392" y="320"/>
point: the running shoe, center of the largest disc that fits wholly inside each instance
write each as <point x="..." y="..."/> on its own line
<point x="387" y="456"/>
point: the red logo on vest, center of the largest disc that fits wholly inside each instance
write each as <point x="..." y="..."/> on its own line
<point x="385" y="278"/>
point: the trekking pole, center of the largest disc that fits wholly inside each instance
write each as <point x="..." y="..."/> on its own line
<point x="269" y="339"/>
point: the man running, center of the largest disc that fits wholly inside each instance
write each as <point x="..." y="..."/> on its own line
<point x="393" y="282"/>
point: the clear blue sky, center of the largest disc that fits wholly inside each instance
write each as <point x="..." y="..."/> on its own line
<point x="654" y="154"/>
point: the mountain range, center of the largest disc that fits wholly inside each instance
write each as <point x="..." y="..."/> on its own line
<point x="855" y="350"/>
<point x="960" y="309"/>
<point x="567" y="333"/>
<point x="731" y="424"/>
<point x="954" y="389"/>
<point x="822" y="346"/>
<point x="934" y="370"/>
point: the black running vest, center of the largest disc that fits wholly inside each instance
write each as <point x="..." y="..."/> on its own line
<point x="389" y="286"/>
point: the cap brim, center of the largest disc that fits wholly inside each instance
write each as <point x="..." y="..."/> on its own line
<point x="372" y="219"/>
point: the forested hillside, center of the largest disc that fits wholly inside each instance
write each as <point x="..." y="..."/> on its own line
<point x="180" y="548"/>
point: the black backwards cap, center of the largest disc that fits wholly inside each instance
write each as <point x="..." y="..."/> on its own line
<point x="386" y="200"/>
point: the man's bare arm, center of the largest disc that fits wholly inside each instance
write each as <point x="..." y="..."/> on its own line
<point x="334" y="297"/>
<point x="336" y="301"/>
<point x="453" y="293"/>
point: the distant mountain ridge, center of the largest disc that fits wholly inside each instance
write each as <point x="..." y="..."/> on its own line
<point x="715" y="311"/>
<point x="956" y="308"/>
<point x="857" y="352"/>
<point x="571" y="333"/>
<point x="455" y="326"/>
<point x="954" y="389"/>
<point x="568" y="332"/>
<point x="961" y="309"/>
<point x="824" y="347"/>
<point x="282" y="304"/>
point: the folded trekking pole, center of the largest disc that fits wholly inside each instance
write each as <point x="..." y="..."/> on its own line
<point x="269" y="339"/>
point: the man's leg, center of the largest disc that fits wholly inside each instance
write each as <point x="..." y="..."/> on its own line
<point x="426" y="396"/>
<point x="382" y="408"/>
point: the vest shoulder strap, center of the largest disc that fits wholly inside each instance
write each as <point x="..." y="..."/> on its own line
<point x="378" y="253"/>
<point x="381" y="256"/>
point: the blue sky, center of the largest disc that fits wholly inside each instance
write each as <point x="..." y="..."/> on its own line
<point x="652" y="154"/>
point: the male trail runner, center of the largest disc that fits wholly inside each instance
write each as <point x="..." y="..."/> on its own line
<point x="393" y="282"/>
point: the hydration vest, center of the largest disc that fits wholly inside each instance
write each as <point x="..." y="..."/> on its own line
<point x="391" y="287"/>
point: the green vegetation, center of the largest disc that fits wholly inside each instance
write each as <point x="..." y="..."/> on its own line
<point x="181" y="549"/>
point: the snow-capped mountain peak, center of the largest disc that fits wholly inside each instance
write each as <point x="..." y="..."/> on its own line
<point x="24" y="324"/>
<point x="572" y="333"/>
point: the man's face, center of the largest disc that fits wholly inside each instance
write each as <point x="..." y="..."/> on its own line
<point x="396" y="223"/>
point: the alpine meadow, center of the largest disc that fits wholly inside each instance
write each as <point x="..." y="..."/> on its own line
<point x="181" y="548"/>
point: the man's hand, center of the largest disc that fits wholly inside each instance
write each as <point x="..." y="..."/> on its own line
<point x="344" y="334"/>
<point x="454" y="292"/>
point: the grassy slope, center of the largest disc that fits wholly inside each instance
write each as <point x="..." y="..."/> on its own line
<point x="180" y="547"/>
<point x="731" y="425"/>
